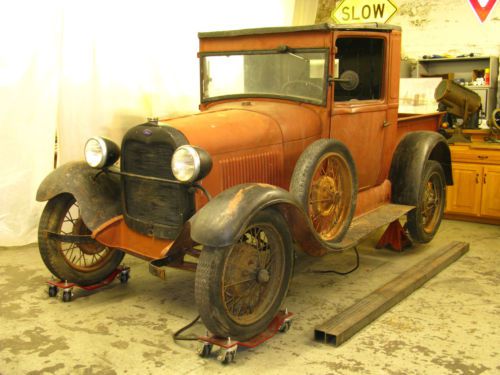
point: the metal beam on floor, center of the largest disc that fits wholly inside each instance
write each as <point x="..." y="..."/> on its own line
<point x="343" y="326"/>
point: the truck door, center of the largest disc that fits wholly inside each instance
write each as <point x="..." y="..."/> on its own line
<point x="360" y="115"/>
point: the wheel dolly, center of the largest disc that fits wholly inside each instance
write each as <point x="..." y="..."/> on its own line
<point x="281" y="323"/>
<point x="122" y="273"/>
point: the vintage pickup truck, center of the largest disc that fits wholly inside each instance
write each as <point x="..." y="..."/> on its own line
<point x="297" y="145"/>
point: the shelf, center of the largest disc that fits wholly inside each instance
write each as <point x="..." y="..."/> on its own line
<point x="446" y="59"/>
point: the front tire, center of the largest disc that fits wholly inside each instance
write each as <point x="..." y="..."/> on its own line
<point x="325" y="183"/>
<point x="239" y="289"/>
<point x="83" y="264"/>
<point x="424" y="220"/>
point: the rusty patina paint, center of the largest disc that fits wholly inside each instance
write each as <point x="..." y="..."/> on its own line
<point x="115" y="233"/>
<point x="277" y="131"/>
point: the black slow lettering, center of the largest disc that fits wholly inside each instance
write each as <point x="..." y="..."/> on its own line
<point x="378" y="10"/>
<point x="366" y="12"/>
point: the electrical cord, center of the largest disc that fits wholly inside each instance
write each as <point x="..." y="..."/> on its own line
<point x="176" y="336"/>
<point x="339" y="272"/>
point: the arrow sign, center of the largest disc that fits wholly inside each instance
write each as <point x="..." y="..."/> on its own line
<point x="482" y="8"/>
<point x="360" y="11"/>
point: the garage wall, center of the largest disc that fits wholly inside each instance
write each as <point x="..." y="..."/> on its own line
<point x="446" y="26"/>
<point x="438" y="27"/>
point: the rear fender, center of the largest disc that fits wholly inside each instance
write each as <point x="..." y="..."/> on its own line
<point x="223" y="220"/>
<point x="407" y="166"/>
<point x="97" y="194"/>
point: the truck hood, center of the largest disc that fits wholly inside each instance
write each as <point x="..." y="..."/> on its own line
<point x="237" y="126"/>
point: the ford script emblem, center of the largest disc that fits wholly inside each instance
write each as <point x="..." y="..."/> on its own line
<point x="147" y="132"/>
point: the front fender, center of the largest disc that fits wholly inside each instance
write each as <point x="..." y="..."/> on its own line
<point x="414" y="149"/>
<point x="223" y="220"/>
<point x="98" y="195"/>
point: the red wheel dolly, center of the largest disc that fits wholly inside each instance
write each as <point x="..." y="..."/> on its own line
<point x="281" y="323"/>
<point x="122" y="273"/>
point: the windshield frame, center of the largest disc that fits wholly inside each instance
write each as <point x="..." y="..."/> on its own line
<point x="278" y="51"/>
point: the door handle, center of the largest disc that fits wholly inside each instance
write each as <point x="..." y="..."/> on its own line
<point x="386" y="123"/>
<point x="477" y="178"/>
<point x="484" y="179"/>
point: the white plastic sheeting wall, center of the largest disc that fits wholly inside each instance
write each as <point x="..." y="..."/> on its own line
<point x="96" y="67"/>
<point x="29" y="70"/>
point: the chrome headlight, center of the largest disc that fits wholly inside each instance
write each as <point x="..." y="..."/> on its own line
<point x="190" y="163"/>
<point x="101" y="152"/>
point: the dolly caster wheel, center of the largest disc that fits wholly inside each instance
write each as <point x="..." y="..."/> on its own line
<point x="124" y="276"/>
<point x="285" y="326"/>
<point x="226" y="357"/>
<point x="205" y="350"/>
<point x="53" y="290"/>
<point x="66" y="296"/>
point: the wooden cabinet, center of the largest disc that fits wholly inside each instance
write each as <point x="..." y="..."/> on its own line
<point x="464" y="197"/>
<point x="475" y="194"/>
<point x="490" y="202"/>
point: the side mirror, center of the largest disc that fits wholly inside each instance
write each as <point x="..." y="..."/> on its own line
<point x="349" y="80"/>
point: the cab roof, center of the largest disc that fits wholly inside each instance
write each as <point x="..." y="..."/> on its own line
<point x="290" y="29"/>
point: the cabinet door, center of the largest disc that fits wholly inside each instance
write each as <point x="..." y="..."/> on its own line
<point x="464" y="197"/>
<point x="490" y="201"/>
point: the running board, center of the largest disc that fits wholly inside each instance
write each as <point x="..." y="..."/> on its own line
<point x="365" y="224"/>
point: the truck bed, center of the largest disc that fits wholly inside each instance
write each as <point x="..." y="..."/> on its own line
<point x="412" y="122"/>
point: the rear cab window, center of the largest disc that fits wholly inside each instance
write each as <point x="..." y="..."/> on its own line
<point x="360" y="62"/>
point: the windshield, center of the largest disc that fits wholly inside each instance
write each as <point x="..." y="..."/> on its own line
<point x="295" y="74"/>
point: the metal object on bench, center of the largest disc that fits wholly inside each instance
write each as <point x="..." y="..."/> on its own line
<point x="460" y="102"/>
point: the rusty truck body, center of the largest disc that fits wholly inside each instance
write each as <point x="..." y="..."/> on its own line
<point x="298" y="145"/>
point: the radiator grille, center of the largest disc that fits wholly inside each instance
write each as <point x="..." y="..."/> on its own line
<point x="153" y="207"/>
<point x="148" y="159"/>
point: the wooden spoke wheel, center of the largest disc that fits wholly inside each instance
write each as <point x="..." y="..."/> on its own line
<point x="423" y="221"/>
<point x="81" y="263"/>
<point x="325" y="182"/>
<point x="84" y="257"/>
<point x="330" y="195"/>
<point x="239" y="289"/>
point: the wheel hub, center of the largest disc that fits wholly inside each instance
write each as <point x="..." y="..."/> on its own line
<point x="90" y="248"/>
<point x="430" y="204"/>
<point x="325" y="196"/>
<point x="263" y="276"/>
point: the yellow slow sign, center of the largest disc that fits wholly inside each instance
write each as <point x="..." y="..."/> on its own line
<point x="361" y="11"/>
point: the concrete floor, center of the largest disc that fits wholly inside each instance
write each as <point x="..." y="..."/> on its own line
<point x="449" y="326"/>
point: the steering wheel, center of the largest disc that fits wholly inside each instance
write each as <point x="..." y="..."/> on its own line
<point x="308" y="85"/>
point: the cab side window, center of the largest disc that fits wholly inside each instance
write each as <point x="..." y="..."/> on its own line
<point x="361" y="60"/>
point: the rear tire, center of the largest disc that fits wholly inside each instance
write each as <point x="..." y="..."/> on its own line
<point x="83" y="264"/>
<point x="239" y="289"/>
<point x="424" y="220"/>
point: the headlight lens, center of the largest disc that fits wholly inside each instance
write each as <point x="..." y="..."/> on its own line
<point x="101" y="152"/>
<point x="95" y="152"/>
<point x="186" y="164"/>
